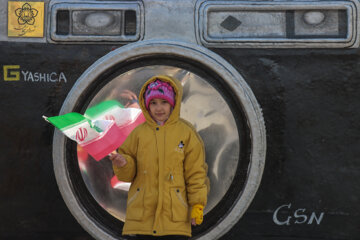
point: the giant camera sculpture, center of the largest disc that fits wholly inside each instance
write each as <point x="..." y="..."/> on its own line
<point x="242" y="64"/>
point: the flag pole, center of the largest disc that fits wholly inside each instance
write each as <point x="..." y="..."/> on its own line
<point x="45" y="118"/>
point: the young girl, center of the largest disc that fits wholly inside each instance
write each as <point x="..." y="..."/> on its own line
<point x="164" y="160"/>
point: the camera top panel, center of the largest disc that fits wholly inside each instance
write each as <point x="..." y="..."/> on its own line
<point x="217" y="24"/>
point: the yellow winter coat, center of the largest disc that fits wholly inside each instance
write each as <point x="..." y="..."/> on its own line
<point x="166" y="165"/>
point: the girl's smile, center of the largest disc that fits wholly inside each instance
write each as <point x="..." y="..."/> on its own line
<point x="160" y="109"/>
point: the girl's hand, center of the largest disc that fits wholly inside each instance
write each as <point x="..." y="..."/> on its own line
<point x="197" y="214"/>
<point x="117" y="159"/>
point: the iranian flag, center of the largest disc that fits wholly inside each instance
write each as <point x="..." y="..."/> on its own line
<point x="102" y="129"/>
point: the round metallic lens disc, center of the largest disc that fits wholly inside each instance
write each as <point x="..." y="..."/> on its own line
<point x="202" y="105"/>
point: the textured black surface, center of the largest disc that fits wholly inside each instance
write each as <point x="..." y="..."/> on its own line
<point x="31" y="205"/>
<point x="310" y="101"/>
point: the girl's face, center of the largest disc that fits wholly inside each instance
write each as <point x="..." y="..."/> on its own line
<point x="160" y="109"/>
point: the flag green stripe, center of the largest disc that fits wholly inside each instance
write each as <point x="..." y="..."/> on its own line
<point x="98" y="109"/>
<point x="66" y="121"/>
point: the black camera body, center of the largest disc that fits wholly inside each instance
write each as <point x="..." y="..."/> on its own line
<point x="272" y="87"/>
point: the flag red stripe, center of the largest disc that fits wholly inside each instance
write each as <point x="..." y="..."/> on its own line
<point x="106" y="144"/>
<point x="112" y="139"/>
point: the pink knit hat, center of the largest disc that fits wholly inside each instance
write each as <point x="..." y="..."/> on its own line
<point x="159" y="89"/>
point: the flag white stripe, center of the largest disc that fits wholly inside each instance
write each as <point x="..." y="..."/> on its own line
<point x="83" y="137"/>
